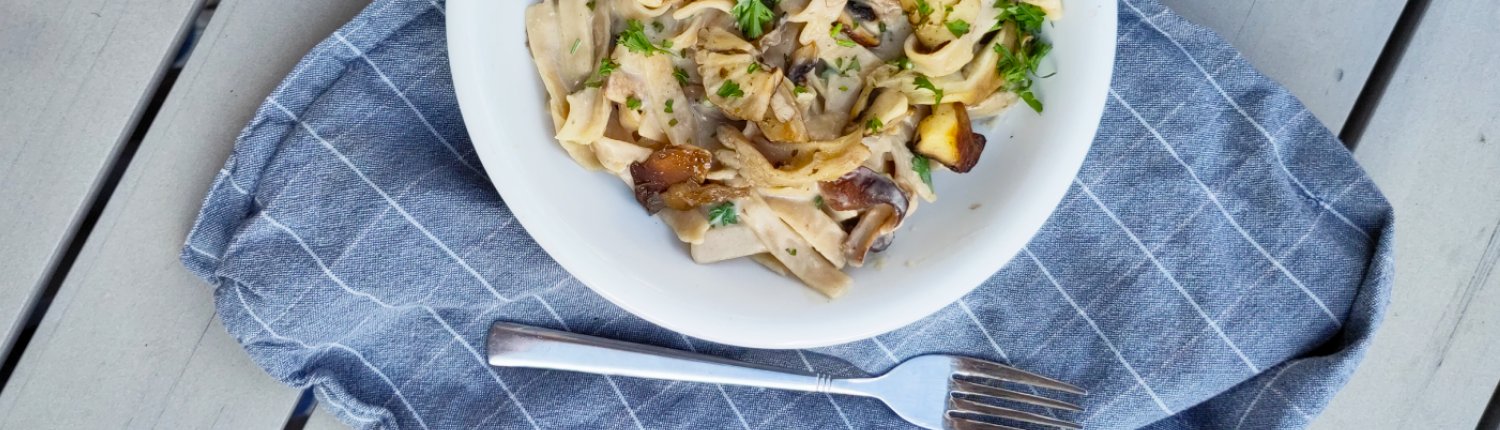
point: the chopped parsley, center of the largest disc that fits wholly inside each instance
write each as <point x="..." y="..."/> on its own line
<point x="924" y="170"/>
<point x="590" y="4"/>
<point x="657" y="25"/>
<point x="669" y="104"/>
<point x="633" y="103"/>
<point x="843" y="65"/>
<point x="923" y="83"/>
<point x="818" y="201"/>
<point x="730" y="90"/>
<point x="574" y="49"/>
<point x="874" y="125"/>
<point x="799" y="90"/>
<point x="792" y="251"/>
<point x="838" y="38"/>
<point x="1028" y="17"/>
<point x="958" y="27"/>
<point x="902" y="63"/>
<point x="752" y="16"/>
<point x="1018" y="69"/>
<point x="754" y="67"/>
<point x="672" y="123"/>
<point x="924" y="10"/>
<point x="843" y="88"/>
<point x="634" y="38"/>
<point x="606" y="67"/>
<point x="724" y="214"/>
<point x="681" y="75"/>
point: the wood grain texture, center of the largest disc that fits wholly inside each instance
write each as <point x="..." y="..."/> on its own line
<point x="1321" y="50"/>
<point x="76" y="76"/>
<point x="1434" y="148"/>
<point x="131" y="339"/>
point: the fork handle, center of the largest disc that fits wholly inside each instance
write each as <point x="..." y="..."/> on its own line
<point x="514" y="345"/>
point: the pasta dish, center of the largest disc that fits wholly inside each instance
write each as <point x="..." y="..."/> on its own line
<point x="801" y="134"/>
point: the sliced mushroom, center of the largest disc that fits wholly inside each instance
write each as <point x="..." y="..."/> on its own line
<point x="947" y="137"/>
<point x="686" y="196"/>
<point x="805" y="62"/>
<point x="667" y="167"/>
<point x="861" y="23"/>
<point x="783" y="120"/>
<point x="884" y="205"/>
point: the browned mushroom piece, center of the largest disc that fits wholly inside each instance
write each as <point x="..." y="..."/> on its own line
<point x="861" y="23"/>
<point x="686" y="196"/>
<point x="948" y="137"/>
<point x="884" y="205"/>
<point x="664" y="168"/>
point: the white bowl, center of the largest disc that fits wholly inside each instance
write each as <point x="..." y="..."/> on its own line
<point x="590" y="223"/>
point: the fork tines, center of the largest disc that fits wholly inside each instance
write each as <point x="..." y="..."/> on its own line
<point x="982" y="370"/>
<point x="986" y="369"/>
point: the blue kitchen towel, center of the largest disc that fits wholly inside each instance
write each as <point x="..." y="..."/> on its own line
<point x="1220" y="261"/>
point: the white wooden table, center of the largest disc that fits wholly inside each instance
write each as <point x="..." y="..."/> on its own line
<point x="103" y="328"/>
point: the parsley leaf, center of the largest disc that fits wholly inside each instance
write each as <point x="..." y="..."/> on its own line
<point x="634" y="38"/>
<point x="590" y="5"/>
<point x="754" y="67"/>
<point x="681" y="75"/>
<point x="730" y="90"/>
<point x="722" y="215"/>
<point x="924" y="10"/>
<point x="902" y="63"/>
<point x="606" y="67"/>
<point x="923" y="83"/>
<point x="818" y="201"/>
<point x="670" y="102"/>
<point x="1028" y="17"/>
<point x="1018" y="69"/>
<point x="798" y="90"/>
<point x="958" y="27"/>
<point x="753" y="16"/>
<point x="672" y="123"/>
<point x="574" y="49"/>
<point x="658" y="26"/>
<point x="633" y="103"/>
<point x="792" y="251"/>
<point x="874" y="125"/>
<point x="924" y="170"/>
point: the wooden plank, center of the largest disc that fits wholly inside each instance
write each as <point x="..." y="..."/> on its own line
<point x="76" y="76"/>
<point x="131" y="339"/>
<point x="1434" y="148"/>
<point x="1321" y="50"/>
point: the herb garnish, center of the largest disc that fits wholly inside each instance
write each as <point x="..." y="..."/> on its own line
<point x="958" y="27"/>
<point x="924" y="170"/>
<point x="730" y="90"/>
<point x="634" y="38"/>
<point x="606" y="67"/>
<point x="752" y="16"/>
<point x="874" y="125"/>
<point x="681" y="75"/>
<point x="723" y="215"/>
<point x="923" y="83"/>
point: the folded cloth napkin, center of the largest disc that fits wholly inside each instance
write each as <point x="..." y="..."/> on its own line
<point x="1219" y="262"/>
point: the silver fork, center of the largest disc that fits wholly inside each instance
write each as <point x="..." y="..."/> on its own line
<point x="926" y="390"/>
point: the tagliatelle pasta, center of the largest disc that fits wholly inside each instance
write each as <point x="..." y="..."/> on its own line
<point x="798" y="133"/>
